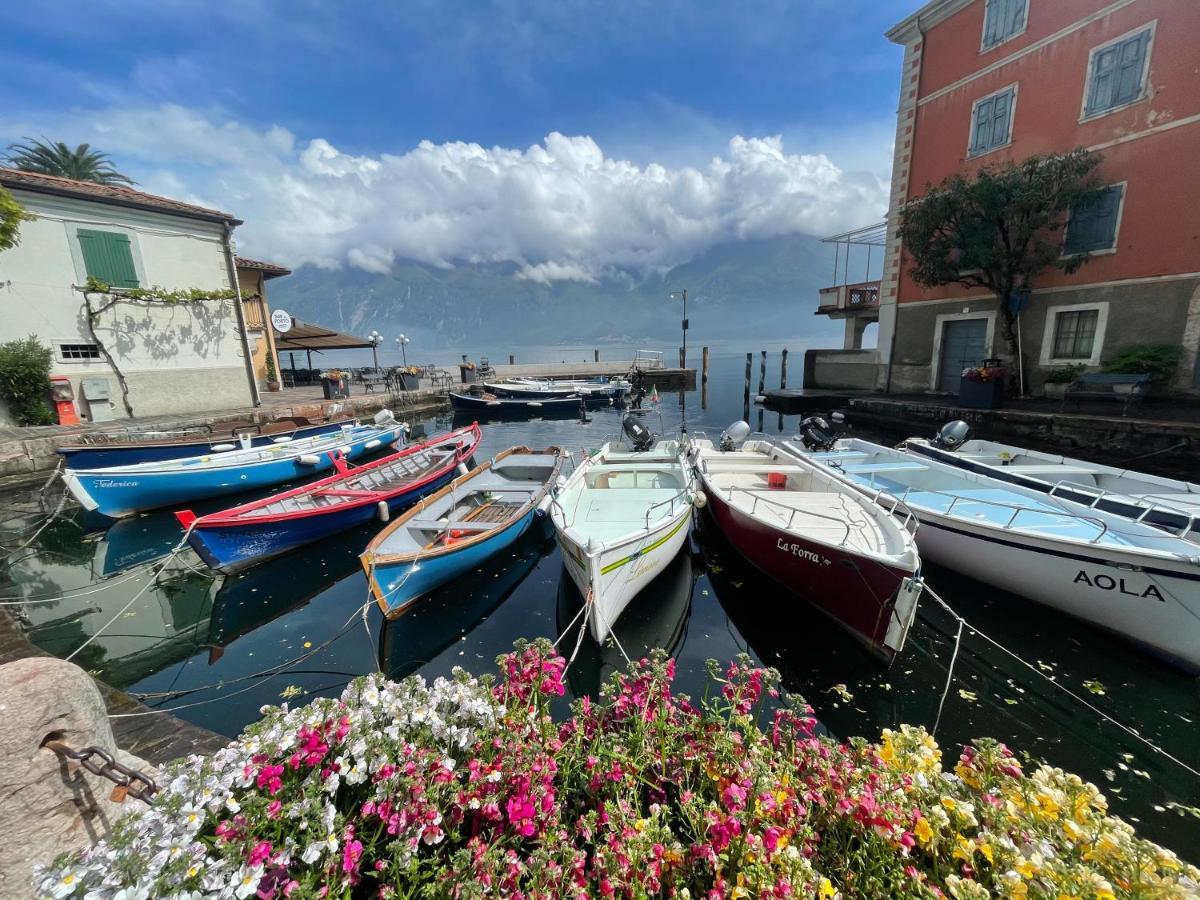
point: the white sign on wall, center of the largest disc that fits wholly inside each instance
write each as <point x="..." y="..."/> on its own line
<point x="282" y="320"/>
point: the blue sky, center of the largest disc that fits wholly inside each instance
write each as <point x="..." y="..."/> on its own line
<point x="215" y="102"/>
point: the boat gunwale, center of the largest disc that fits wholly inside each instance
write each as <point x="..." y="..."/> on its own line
<point x="209" y="437"/>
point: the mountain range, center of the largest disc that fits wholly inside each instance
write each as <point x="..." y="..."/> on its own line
<point x="740" y="289"/>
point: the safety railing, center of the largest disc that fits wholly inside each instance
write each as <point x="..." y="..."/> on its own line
<point x="791" y="510"/>
<point x="1188" y="519"/>
<point x="672" y="500"/>
<point x="648" y="359"/>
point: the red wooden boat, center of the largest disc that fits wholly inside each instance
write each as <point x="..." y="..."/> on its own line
<point x="234" y="539"/>
<point x="818" y="537"/>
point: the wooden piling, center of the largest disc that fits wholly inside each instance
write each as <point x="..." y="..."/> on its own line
<point x="682" y="357"/>
<point x="746" y="385"/>
<point x="512" y="360"/>
<point x="704" y="366"/>
<point x="783" y="371"/>
<point x="762" y="373"/>
<point x="596" y="356"/>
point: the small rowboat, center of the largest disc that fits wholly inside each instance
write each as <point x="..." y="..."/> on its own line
<point x="448" y="533"/>
<point x="818" y="537"/>
<point x="490" y="404"/>
<point x="127" y="448"/>
<point x="119" y="491"/>
<point x="235" y="539"/>
<point x="621" y="518"/>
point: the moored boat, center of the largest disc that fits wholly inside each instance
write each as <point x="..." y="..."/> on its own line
<point x="817" y="536"/>
<point x="234" y="539"/>
<point x="451" y="531"/>
<point x="1127" y="577"/>
<point x="491" y="405"/>
<point x="118" y="491"/>
<point x="621" y="517"/>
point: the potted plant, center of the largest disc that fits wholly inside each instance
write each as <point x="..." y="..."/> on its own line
<point x="1059" y="379"/>
<point x="1159" y="361"/>
<point x="335" y="384"/>
<point x="272" y="376"/>
<point x="982" y="387"/>
<point x="410" y="378"/>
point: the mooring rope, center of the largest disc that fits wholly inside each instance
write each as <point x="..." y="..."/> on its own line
<point x="1066" y="690"/>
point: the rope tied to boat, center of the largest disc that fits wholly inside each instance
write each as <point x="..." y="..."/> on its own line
<point x="1066" y="690"/>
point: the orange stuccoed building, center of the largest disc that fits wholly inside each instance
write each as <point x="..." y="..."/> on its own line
<point x="993" y="81"/>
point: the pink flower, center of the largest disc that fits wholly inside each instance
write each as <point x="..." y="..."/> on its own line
<point x="520" y="813"/>
<point x="269" y="778"/>
<point x="350" y="858"/>
<point x="260" y="854"/>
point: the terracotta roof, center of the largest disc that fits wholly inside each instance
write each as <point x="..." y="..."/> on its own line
<point x="269" y="270"/>
<point x="109" y="193"/>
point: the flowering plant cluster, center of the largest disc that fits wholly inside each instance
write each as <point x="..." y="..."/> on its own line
<point x="985" y="373"/>
<point x="468" y="789"/>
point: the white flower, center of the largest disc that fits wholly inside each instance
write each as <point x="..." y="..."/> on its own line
<point x="248" y="880"/>
<point x="66" y="883"/>
<point x="311" y="853"/>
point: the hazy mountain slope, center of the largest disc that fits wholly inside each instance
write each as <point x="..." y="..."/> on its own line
<point x="745" y="288"/>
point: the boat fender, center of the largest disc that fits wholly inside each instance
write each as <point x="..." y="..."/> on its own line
<point x="493" y="403"/>
<point x="534" y="403"/>
<point x="384" y="513"/>
<point x="452" y="537"/>
<point x="700" y="501"/>
<point x="345" y="449"/>
<point x="281" y="440"/>
<point x="221" y="448"/>
<point x="462" y="469"/>
<point x="308" y="459"/>
<point x="372" y="444"/>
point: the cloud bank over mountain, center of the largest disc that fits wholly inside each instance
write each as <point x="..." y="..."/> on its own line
<point x="559" y="210"/>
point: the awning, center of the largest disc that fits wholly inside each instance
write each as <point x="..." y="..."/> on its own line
<point x="306" y="336"/>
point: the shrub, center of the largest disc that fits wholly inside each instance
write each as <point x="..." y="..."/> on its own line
<point x="1159" y="361"/>
<point x="25" y="381"/>
<point x="1065" y="374"/>
<point x="469" y="789"/>
<point x="12" y="214"/>
<point x="272" y="375"/>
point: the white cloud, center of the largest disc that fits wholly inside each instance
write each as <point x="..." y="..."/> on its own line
<point x="558" y="210"/>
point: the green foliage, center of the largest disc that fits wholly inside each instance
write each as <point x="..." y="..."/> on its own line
<point x="1159" y="361"/>
<point x="56" y="158"/>
<point x="1065" y="374"/>
<point x="158" y="294"/>
<point x="272" y="375"/>
<point x="12" y="214"/>
<point x="25" y="380"/>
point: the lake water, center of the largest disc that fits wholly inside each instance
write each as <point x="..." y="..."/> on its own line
<point x="214" y="649"/>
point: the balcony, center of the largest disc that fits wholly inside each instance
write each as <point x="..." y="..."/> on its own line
<point x="859" y="299"/>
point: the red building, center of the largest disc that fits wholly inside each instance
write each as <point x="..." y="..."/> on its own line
<point x="993" y="81"/>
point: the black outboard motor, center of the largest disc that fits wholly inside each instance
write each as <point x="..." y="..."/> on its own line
<point x="640" y="437"/>
<point x="952" y="435"/>
<point x="817" y="434"/>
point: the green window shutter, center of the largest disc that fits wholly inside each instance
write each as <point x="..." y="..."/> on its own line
<point x="107" y="255"/>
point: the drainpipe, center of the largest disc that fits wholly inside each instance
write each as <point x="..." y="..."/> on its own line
<point x="231" y="268"/>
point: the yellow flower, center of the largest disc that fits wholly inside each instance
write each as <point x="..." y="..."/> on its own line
<point x="964" y="848"/>
<point x="1027" y="868"/>
<point x="1104" y="894"/>
<point x="923" y="831"/>
<point x="949" y="803"/>
<point x="986" y="850"/>
<point x="826" y="889"/>
<point x="639" y="825"/>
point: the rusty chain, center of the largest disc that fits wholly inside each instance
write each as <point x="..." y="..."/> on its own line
<point x="129" y="782"/>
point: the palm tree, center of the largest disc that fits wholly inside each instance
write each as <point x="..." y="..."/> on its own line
<point x="56" y="158"/>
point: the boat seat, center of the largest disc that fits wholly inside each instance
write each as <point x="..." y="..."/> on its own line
<point x="444" y="525"/>
<point x="872" y="468"/>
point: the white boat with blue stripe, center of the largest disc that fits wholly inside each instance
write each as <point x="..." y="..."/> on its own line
<point x="1127" y="577"/>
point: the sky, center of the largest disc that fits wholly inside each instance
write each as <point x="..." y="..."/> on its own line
<point x="571" y="138"/>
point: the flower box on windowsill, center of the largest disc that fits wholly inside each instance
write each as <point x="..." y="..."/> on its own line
<point x="981" y="394"/>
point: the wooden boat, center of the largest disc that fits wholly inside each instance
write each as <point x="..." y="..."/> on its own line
<point x="126" y="448"/>
<point x="1124" y="576"/>
<point x="491" y="405"/>
<point x="240" y="537"/>
<point x="515" y="391"/>
<point x="621" y="517"/>
<point x="450" y="532"/>
<point x="1170" y="504"/>
<point x="594" y="393"/>
<point x="119" y="491"/>
<point x="817" y="536"/>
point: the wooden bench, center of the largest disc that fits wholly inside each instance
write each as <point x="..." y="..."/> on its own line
<point x="1107" y="386"/>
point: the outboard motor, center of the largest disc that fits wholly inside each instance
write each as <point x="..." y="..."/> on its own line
<point x="734" y="435"/>
<point x="384" y="417"/>
<point x="817" y="434"/>
<point x="640" y="437"/>
<point x="952" y="435"/>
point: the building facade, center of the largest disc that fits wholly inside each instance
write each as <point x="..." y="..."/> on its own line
<point x="176" y="358"/>
<point x="987" y="82"/>
<point x="253" y="276"/>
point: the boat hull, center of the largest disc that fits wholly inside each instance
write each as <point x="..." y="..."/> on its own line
<point x="569" y="406"/>
<point x="863" y="595"/>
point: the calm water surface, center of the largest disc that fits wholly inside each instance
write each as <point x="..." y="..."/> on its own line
<point x="215" y="649"/>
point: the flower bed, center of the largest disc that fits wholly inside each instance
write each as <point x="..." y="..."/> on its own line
<point x="468" y="788"/>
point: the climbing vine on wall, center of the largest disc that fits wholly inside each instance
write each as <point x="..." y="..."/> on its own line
<point x="12" y="214"/>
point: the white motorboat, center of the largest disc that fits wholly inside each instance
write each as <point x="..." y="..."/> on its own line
<point x="815" y="534"/>
<point x="1127" y="577"/>
<point x="621" y="517"/>
<point x="1168" y="503"/>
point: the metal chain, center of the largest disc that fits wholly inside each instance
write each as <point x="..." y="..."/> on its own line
<point x="129" y="782"/>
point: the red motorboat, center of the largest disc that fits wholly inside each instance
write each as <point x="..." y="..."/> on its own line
<point x="818" y="537"/>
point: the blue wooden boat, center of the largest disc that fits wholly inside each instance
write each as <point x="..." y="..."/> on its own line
<point x="119" y="491"/>
<point x="234" y="539"/>
<point x="451" y="532"/>
<point x="491" y="405"/>
<point x="131" y="448"/>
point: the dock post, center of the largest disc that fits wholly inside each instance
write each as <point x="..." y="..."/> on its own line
<point x="512" y="360"/>
<point x="783" y="372"/>
<point x="762" y="373"/>
<point x="704" y="366"/>
<point x="596" y="355"/>
<point x="746" y="387"/>
<point x="682" y="357"/>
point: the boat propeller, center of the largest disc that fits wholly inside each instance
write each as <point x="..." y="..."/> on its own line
<point x="640" y="437"/>
<point x="952" y="435"/>
<point x="817" y="434"/>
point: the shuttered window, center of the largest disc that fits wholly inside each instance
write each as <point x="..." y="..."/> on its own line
<point x="1003" y="19"/>
<point x="1117" y="73"/>
<point x="992" y="122"/>
<point x="107" y="255"/>
<point x="1094" y="227"/>
<point x="1075" y="333"/>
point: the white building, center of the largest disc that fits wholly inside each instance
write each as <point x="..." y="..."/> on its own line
<point x="176" y="358"/>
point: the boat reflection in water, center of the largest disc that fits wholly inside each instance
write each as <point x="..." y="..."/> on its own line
<point x="656" y="618"/>
<point x="442" y="618"/>
<point x="137" y="541"/>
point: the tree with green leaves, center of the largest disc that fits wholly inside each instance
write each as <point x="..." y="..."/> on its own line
<point x="12" y="214"/>
<point x="56" y="158"/>
<point x="1001" y="228"/>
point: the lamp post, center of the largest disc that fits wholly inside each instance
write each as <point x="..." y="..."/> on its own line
<point x="400" y="342"/>
<point x="376" y="339"/>
<point x="683" y="354"/>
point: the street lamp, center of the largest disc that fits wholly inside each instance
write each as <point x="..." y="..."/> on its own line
<point x="683" y="352"/>
<point x="400" y="342"/>
<point x="376" y="339"/>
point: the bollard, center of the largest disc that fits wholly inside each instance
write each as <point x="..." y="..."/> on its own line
<point x="783" y="372"/>
<point x="704" y="366"/>
<point x="762" y="374"/>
